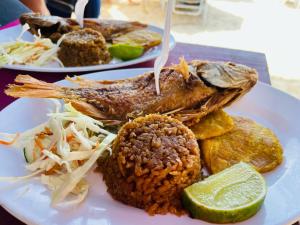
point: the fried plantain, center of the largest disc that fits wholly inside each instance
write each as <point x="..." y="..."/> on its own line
<point x="214" y="124"/>
<point x="248" y="142"/>
<point x="145" y="38"/>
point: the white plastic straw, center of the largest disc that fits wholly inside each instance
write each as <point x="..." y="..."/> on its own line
<point x="79" y="11"/>
<point x="161" y="60"/>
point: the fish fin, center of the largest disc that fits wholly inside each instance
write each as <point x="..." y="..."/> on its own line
<point x="33" y="88"/>
<point x="92" y="111"/>
<point x="86" y="108"/>
<point x="83" y="82"/>
<point x="192" y="116"/>
<point x="183" y="68"/>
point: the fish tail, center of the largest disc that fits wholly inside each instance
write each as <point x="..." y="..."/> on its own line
<point x="34" y="88"/>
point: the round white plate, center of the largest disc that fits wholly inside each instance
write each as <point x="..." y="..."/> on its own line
<point x="12" y="33"/>
<point x="30" y="201"/>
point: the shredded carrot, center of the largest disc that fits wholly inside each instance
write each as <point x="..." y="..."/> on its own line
<point x="41" y="135"/>
<point x="53" y="169"/>
<point x="34" y="153"/>
<point x="47" y="130"/>
<point x="39" y="143"/>
<point x="80" y="162"/>
<point x="53" y="149"/>
<point x="70" y="137"/>
<point x="39" y="44"/>
<point x="97" y="145"/>
<point x="10" y="142"/>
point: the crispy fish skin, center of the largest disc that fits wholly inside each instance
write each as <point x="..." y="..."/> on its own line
<point x="214" y="124"/>
<point x="54" y="27"/>
<point x="248" y="142"/>
<point x="186" y="97"/>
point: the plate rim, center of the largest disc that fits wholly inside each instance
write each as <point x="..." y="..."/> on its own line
<point x="43" y="69"/>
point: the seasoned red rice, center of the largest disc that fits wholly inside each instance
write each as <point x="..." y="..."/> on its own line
<point x="154" y="158"/>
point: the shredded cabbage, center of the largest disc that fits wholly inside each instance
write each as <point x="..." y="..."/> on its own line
<point x="73" y="178"/>
<point x="62" y="151"/>
<point x="40" y="52"/>
<point x="14" y="179"/>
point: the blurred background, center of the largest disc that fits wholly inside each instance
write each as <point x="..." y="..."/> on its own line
<point x="267" y="26"/>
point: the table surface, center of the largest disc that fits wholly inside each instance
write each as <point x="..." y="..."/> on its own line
<point x="189" y="51"/>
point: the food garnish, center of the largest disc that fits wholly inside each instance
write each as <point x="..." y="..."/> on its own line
<point x="233" y="195"/>
<point x="126" y="51"/>
<point x="39" y="52"/>
<point x="61" y="151"/>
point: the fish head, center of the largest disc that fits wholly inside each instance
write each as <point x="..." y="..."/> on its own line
<point x="47" y="25"/>
<point x="226" y="81"/>
<point x="225" y="75"/>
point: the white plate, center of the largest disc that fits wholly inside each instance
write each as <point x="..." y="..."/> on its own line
<point x="30" y="201"/>
<point x="12" y="33"/>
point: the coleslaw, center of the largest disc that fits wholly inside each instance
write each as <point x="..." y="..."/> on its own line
<point x="40" y="52"/>
<point x="62" y="151"/>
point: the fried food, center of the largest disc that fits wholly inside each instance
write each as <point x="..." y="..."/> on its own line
<point x="248" y="142"/>
<point x="214" y="124"/>
<point x="153" y="159"/>
<point x="145" y="38"/>
<point x="186" y="95"/>
<point x="54" y="27"/>
<point x="83" y="48"/>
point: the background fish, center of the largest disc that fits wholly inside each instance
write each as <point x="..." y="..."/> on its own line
<point x="188" y="92"/>
<point x="54" y="27"/>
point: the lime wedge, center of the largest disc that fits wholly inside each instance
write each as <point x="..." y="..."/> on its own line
<point x="126" y="51"/>
<point x="233" y="195"/>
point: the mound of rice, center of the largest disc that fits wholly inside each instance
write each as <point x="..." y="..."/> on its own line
<point x="83" y="48"/>
<point x="153" y="159"/>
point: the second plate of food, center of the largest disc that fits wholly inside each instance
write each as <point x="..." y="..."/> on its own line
<point x="121" y="44"/>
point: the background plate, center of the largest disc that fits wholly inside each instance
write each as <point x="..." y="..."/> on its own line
<point x="12" y="33"/>
<point x="30" y="201"/>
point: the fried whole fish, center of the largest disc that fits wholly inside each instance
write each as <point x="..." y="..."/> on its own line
<point x="188" y="92"/>
<point x="54" y="27"/>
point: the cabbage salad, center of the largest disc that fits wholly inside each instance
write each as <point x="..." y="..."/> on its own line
<point x="40" y="52"/>
<point x="61" y="152"/>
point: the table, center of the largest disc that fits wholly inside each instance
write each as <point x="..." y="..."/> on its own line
<point x="189" y="51"/>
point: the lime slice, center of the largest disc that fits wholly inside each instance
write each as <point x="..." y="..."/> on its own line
<point x="233" y="195"/>
<point x="126" y="51"/>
